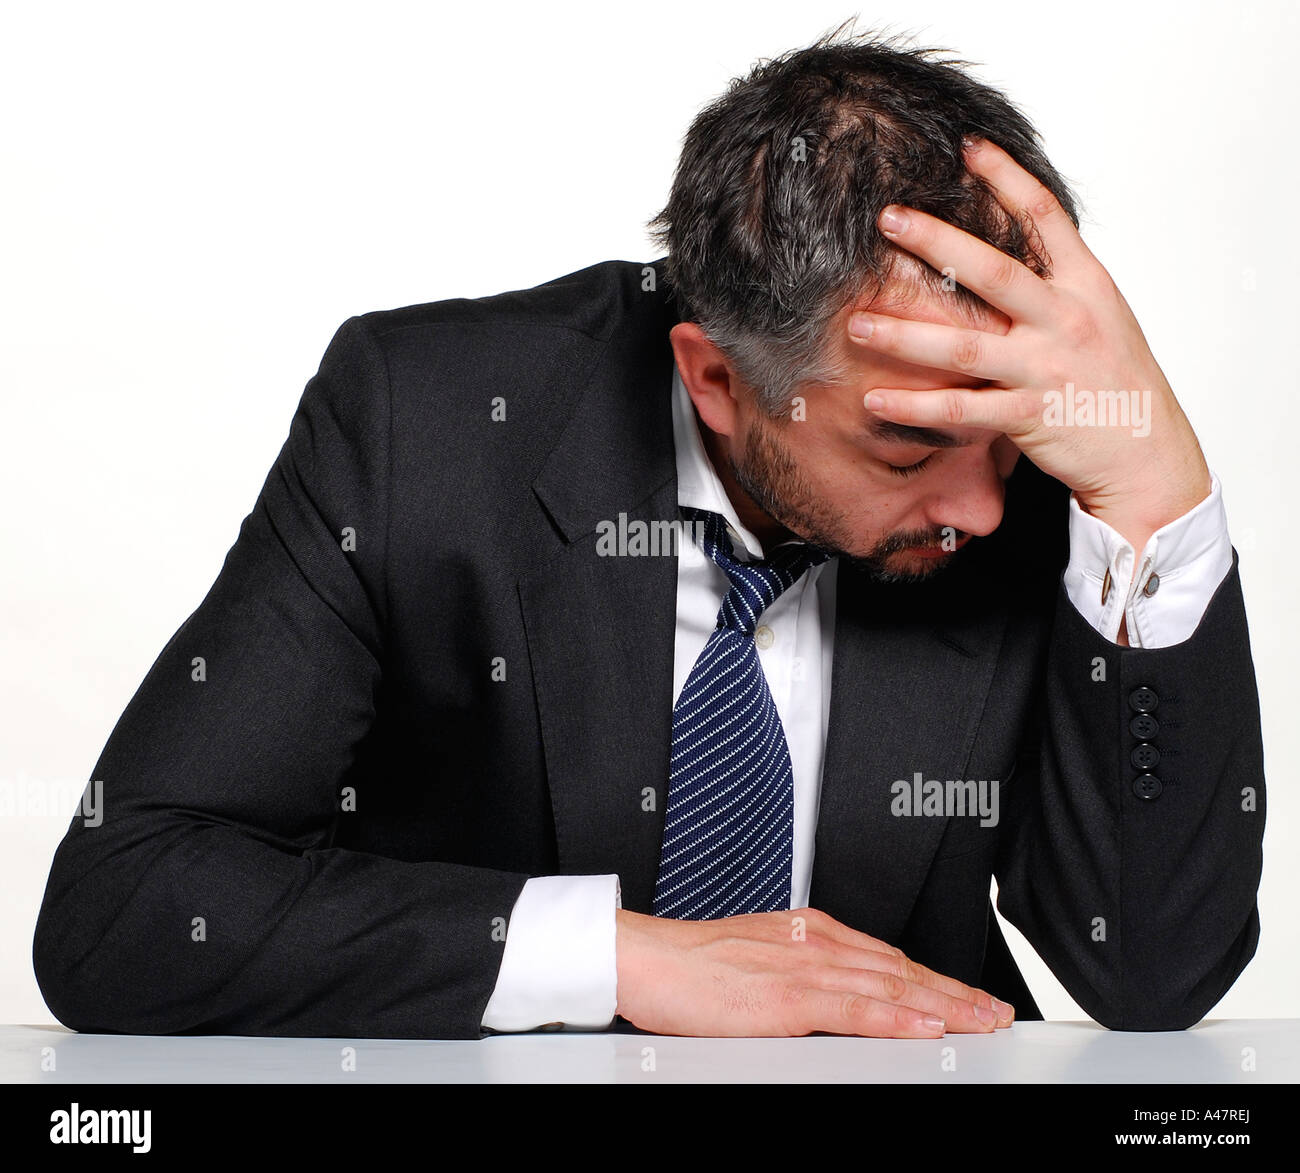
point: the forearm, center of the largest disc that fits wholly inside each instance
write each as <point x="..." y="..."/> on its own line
<point x="170" y="924"/>
<point x="1143" y="899"/>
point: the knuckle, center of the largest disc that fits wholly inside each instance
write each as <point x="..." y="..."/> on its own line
<point x="1000" y="273"/>
<point x="953" y="411"/>
<point x="966" y="351"/>
<point x="894" y="963"/>
<point x="889" y="965"/>
<point x="1026" y="410"/>
<point x="956" y="1007"/>
<point x="892" y="986"/>
<point x="795" y="1012"/>
<point x="904" y="1020"/>
<point x="854" y="1007"/>
<point x="1043" y="203"/>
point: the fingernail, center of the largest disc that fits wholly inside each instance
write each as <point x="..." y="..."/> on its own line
<point x="892" y="222"/>
<point x="985" y="1015"/>
<point x="1005" y="1009"/>
<point x="872" y="401"/>
<point x="930" y="1022"/>
<point x="860" y="326"/>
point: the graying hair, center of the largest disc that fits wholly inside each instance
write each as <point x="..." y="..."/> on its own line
<point x="770" y="226"/>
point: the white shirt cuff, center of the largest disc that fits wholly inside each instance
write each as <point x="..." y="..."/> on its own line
<point x="559" y="967"/>
<point x="1164" y="593"/>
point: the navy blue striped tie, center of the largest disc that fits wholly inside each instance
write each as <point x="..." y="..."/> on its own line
<point x="729" y="823"/>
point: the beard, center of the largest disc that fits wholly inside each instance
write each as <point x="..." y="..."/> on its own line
<point x="769" y="474"/>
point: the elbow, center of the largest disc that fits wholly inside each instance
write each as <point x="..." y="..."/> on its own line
<point x="1154" y="997"/>
<point x="1151" y="1017"/>
<point x="84" y="984"/>
<point x="58" y="976"/>
<point x="73" y="988"/>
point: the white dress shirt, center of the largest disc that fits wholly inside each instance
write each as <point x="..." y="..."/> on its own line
<point x="558" y="966"/>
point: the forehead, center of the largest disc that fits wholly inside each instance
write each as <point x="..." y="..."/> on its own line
<point x="907" y="294"/>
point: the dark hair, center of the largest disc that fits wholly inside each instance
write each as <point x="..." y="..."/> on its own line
<point x="770" y="226"/>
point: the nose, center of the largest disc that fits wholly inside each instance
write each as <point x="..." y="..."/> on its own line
<point x="972" y="496"/>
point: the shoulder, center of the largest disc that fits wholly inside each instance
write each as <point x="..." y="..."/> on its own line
<point x="593" y="302"/>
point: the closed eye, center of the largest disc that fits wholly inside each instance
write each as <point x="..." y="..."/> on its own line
<point x="907" y="470"/>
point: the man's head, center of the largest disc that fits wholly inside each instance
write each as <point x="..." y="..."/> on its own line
<point x="771" y="238"/>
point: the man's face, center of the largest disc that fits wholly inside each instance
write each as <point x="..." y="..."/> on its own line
<point x="832" y="477"/>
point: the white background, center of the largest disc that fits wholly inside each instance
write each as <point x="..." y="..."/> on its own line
<point x="194" y="198"/>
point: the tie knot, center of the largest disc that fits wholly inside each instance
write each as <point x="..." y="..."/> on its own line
<point x="755" y="586"/>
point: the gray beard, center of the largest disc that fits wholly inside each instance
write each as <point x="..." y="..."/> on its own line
<point x="761" y="492"/>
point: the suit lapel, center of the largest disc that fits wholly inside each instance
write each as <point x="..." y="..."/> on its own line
<point x="912" y="666"/>
<point x="600" y="637"/>
<point x="601" y="629"/>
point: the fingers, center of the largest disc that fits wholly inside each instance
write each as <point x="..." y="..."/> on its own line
<point x="975" y="353"/>
<point x="963" y="1011"/>
<point x="751" y="976"/>
<point x="919" y="975"/>
<point x="1013" y="413"/>
<point x="998" y="278"/>
<point x="1019" y="192"/>
<point x="846" y="1012"/>
<point x="902" y="979"/>
<point x="859" y="951"/>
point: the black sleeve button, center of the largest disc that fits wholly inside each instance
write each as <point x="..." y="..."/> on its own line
<point x="1144" y="727"/>
<point x="1143" y="700"/>
<point x="1147" y="786"/>
<point x="1145" y="757"/>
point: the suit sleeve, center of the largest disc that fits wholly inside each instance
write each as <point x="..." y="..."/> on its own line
<point x="209" y="899"/>
<point x="1133" y="871"/>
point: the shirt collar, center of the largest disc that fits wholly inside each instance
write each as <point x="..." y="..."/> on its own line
<point x="698" y="485"/>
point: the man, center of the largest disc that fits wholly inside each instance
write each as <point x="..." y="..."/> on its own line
<point x="452" y="745"/>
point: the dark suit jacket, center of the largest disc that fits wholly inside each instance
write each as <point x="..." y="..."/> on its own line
<point x="321" y="803"/>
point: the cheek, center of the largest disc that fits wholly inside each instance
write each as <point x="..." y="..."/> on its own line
<point x="855" y="482"/>
<point x="855" y="488"/>
<point x="844" y="479"/>
<point x="832" y="471"/>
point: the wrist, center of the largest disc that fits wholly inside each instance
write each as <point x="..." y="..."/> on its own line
<point x="1138" y="513"/>
<point x="628" y="941"/>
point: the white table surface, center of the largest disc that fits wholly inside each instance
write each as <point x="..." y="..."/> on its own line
<point x="1221" y="1051"/>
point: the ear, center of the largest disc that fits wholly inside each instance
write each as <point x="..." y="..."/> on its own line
<point x="713" y="386"/>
